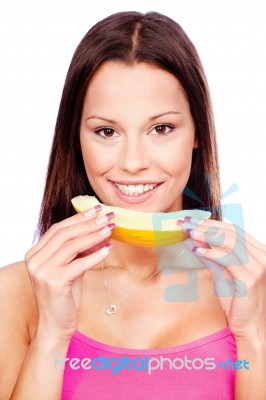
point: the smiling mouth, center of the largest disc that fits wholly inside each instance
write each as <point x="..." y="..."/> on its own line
<point x="136" y="190"/>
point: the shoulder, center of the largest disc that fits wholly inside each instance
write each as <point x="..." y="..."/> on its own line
<point x="14" y="277"/>
<point x="17" y="300"/>
<point x="18" y="321"/>
<point x="17" y="270"/>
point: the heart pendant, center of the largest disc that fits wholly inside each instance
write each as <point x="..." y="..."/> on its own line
<point x="111" y="309"/>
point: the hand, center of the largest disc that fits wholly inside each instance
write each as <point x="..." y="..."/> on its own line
<point x="57" y="263"/>
<point x="238" y="265"/>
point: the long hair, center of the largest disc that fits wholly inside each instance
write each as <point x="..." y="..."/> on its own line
<point x="130" y="38"/>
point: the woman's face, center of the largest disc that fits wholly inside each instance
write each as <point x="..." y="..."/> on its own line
<point x="137" y="137"/>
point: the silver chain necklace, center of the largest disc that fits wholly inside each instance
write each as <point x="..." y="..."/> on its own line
<point x="113" y="306"/>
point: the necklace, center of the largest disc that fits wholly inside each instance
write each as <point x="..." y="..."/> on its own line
<point x="113" y="306"/>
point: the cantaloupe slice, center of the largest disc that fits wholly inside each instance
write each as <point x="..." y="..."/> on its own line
<point x="142" y="228"/>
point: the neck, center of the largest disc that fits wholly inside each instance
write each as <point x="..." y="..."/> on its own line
<point x="140" y="261"/>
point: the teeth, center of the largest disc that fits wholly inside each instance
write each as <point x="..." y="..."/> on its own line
<point x="135" y="190"/>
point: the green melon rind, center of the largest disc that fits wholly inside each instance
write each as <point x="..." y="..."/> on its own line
<point x="139" y="219"/>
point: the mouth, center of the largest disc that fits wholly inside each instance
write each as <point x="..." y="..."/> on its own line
<point x="136" y="190"/>
<point x="135" y="193"/>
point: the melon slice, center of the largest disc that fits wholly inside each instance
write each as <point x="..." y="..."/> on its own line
<point x="142" y="228"/>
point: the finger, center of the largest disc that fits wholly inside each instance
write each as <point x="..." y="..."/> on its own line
<point x="87" y="215"/>
<point x="225" y="283"/>
<point x="228" y="281"/>
<point x="246" y="279"/>
<point x="249" y="273"/>
<point x="64" y="235"/>
<point x="234" y="228"/>
<point x="71" y="249"/>
<point x="213" y="235"/>
<point x="227" y="239"/>
<point x="64" y="277"/>
<point x="199" y="249"/>
<point x="80" y="265"/>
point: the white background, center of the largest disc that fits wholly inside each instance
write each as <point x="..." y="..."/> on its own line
<point x="37" y="41"/>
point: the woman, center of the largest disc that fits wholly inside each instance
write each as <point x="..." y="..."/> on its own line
<point x="86" y="315"/>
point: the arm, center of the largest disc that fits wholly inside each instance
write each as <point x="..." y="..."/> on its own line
<point x="26" y="369"/>
<point x="238" y="266"/>
<point x="251" y="383"/>
<point x="38" y="378"/>
<point x="17" y="313"/>
<point x="48" y="291"/>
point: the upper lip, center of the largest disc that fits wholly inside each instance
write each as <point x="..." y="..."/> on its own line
<point x="136" y="183"/>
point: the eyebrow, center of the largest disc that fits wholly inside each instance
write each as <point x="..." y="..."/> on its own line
<point x="111" y="121"/>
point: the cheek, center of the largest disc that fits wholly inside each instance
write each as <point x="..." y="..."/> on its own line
<point x="96" y="160"/>
<point x="178" y="159"/>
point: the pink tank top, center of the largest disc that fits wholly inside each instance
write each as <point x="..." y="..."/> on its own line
<point x="202" y="369"/>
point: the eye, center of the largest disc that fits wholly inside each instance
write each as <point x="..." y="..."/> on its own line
<point x="163" y="129"/>
<point x="105" y="132"/>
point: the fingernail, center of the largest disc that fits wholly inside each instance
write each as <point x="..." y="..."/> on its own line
<point x="110" y="215"/>
<point x="202" y="250"/>
<point x="199" y="250"/>
<point x="105" y="250"/>
<point x="105" y="218"/>
<point x="179" y="222"/>
<point x="107" y="229"/>
<point x="188" y="231"/>
<point x="90" y="212"/>
<point x="187" y="218"/>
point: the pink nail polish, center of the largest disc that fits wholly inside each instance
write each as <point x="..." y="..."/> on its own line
<point x="110" y="215"/>
<point x="187" y="218"/>
<point x="188" y="231"/>
<point x="107" y="229"/>
<point x="194" y="249"/>
<point x="105" y="218"/>
<point x="179" y="222"/>
<point x="98" y="207"/>
<point x="105" y="250"/>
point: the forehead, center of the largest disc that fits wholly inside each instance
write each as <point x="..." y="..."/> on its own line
<point x="142" y="85"/>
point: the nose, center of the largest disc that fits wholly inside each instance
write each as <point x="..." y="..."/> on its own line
<point x="134" y="155"/>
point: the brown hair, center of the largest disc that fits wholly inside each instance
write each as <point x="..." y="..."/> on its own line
<point x="130" y="37"/>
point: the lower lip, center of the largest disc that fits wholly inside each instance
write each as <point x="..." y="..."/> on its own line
<point x="135" y="199"/>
